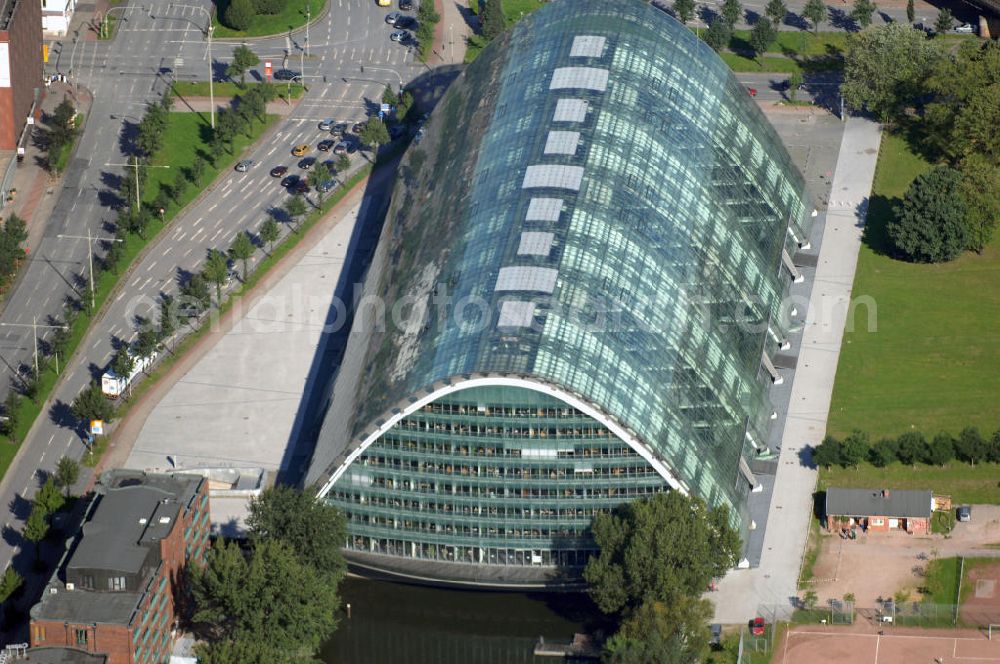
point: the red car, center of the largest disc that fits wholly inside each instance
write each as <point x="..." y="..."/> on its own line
<point x="757" y="626"/>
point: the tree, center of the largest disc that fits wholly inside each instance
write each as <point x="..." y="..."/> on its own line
<point x="883" y="452"/>
<point x="49" y="498"/>
<point x="239" y="14"/>
<point x="90" y="404"/>
<point x="912" y="447"/>
<point x="684" y="10"/>
<point x="964" y="108"/>
<point x="910" y="12"/>
<point x="147" y="342"/>
<point x="313" y="529"/>
<point x="403" y="106"/>
<point x="491" y="17"/>
<point x="389" y="96"/>
<point x="122" y="362"/>
<point x="762" y="36"/>
<point x="828" y="453"/>
<point x="862" y="12"/>
<point x="67" y="472"/>
<point x="152" y="128"/>
<point x="970" y="445"/>
<point x="981" y="193"/>
<point x="374" y="133"/>
<point x="167" y="313"/>
<point x="14" y="233"/>
<point x="269" y="233"/>
<point x="659" y="549"/>
<point x="794" y="83"/>
<point x="242" y="249"/>
<point x="992" y="450"/>
<point x="944" y="22"/>
<point x="718" y="34"/>
<point x="885" y="69"/>
<point x="243" y="60"/>
<point x="776" y="10"/>
<point x="216" y="271"/>
<point x="317" y="176"/>
<point x="197" y="170"/>
<point x="855" y="449"/>
<point x="239" y="650"/>
<point x="809" y="600"/>
<point x="9" y="583"/>
<point x="815" y="12"/>
<point x="195" y="292"/>
<point x="660" y="633"/>
<point x="941" y="450"/>
<point x="343" y="164"/>
<point x="36" y="529"/>
<point x="930" y="226"/>
<point x="295" y="207"/>
<point x="271" y="597"/>
<point x="12" y="412"/>
<point x="732" y="11"/>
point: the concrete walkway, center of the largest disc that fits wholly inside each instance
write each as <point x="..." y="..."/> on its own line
<point x="774" y="583"/>
<point x="451" y="32"/>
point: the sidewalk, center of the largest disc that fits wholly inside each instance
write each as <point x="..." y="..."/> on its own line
<point x="36" y="188"/>
<point x="774" y="583"/>
<point x="451" y="32"/>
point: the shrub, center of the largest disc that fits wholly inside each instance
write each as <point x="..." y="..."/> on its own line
<point x="930" y="227"/>
<point x="239" y="14"/>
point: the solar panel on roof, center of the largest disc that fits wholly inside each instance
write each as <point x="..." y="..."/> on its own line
<point x="515" y="313"/>
<point x="570" y="110"/>
<point x="587" y="46"/>
<point x="544" y="209"/>
<point x="535" y="243"/>
<point x="558" y="176"/>
<point x="527" y="278"/>
<point x="588" y="78"/>
<point x="562" y="142"/>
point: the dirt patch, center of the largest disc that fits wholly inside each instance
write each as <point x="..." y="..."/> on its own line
<point x="982" y="601"/>
<point x="880" y="564"/>
<point x="861" y="645"/>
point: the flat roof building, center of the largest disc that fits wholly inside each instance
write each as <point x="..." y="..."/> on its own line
<point x="578" y="281"/>
<point x="115" y="589"/>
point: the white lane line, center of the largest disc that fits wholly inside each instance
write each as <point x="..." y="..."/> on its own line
<point x="151" y="266"/>
<point x="181" y="236"/>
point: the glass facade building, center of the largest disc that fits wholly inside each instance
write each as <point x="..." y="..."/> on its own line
<point x="581" y="271"/>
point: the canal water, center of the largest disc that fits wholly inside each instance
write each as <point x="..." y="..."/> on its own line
<point x="395" y="623"/>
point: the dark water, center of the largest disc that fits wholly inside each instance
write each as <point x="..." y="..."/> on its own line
<point x="394" y="623"/>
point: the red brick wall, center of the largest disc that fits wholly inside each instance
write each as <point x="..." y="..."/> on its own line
<point x="24" y="33"/>
<point x="112" y="640"/>
<point x="880" y="524"/>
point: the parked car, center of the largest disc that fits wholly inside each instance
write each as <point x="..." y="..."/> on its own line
<point x="244" y="165"/>
<point x="964" y="513"/>
<point x="338" y="129"/>
<point x="326" y="125"/>
<point x="290" y="181"/>
<point x="405" y="22"/>
<point x="965" y="29"/>
<point x="326" y="145"/>
<point x="326" y="186"/>
<point x="287" y="75"/>
<point x="300" y="187"/>
<point x="340" y="148"/>
<point x="392" y="17"/>
<point x="383" y="3"/>
<point x="401" y="36"/>
<point x="300" y="150"/>
<point x="406" y="5"/>
<point x="279" y="171"/>
<point x="307" y="163"/>
<point x="757" y="626"/>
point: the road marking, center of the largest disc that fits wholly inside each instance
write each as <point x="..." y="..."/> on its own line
<point x="151" y="266"/>
<point x="181" y="236"/>
<point x="213" y="207"/>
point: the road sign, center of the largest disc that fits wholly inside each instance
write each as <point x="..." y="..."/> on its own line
<point x="386" y="108"/>
<point x="97" y="427"/>
<point x="267" y="69"/>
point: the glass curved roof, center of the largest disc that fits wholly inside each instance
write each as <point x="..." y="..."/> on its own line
<point x="596" y="204"/>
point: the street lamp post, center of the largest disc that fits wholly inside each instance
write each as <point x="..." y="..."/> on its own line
<point x="34" y="329"/>
<point x="211" y="74"/>
<point x="136" y="166"/>
<point x="307" y="32"/>
<point x="90" y="254"/>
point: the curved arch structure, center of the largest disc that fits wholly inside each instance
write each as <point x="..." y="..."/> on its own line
<point x="578" y="275"/>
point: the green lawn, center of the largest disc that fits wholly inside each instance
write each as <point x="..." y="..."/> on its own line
<point x="514" y="10"/>
<point x="968" y="587"/>
<point x="187" y="135"/>
<point x="932" y="361"/>
<point x="223" y="89"/>
<point x="941" y="581"/>
<point x="962" y="482"/>
<point x="293" y="16"/>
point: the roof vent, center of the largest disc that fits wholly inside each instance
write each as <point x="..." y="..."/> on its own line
<point x="164" y="520"/>
<point x="143" y="521"/>
<point x="53" y="590"/>
<point x="70" y="586"/>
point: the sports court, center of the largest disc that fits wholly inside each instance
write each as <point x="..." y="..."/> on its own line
<point x="815" y="644"/>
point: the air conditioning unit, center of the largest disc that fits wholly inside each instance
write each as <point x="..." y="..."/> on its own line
<point x="70" y="586"/>
<point x="53" y="590"/>
<point x="164" y="519"/>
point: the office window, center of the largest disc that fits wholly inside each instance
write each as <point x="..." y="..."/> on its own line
<point x="81" y="637"/>
<point x="116" y="583"/>
<point x="87" y="581"/>
<point x="39" y="634"/>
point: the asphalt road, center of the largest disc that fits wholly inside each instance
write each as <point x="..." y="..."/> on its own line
<point x="124" y="75"/>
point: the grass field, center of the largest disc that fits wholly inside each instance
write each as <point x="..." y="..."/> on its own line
<point x="964" y="483"/>
<point x="187" y="136"/>
<point x="293" y="16"/>
<point x="941" y="581"/>
<point x="933" y="362"/>
<point x="223" y="89"/>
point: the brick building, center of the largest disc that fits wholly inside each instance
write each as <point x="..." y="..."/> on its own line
<point x="20" y="66"/>
<point x="116" y="590"/>
<point x="879" y="510"/>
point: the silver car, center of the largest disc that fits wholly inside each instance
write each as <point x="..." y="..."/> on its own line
<point x="244" y="165"/>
